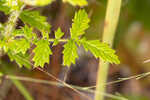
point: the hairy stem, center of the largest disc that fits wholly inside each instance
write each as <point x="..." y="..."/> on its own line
<point x="60" y="40"/>
<point x="111" y="20"/>
<point x="10" y="25"/>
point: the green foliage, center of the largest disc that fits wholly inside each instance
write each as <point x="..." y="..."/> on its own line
<point x="45" y="35"/>
<point x="10" y="5"/>
<point x="34" y="19"/>
<point x="21" y="59"/>
<point x="3" y="7"/>
<point x="58" y="35"/>
<point x="80" y="24"/>
<point x="100" y="50"/>
<point x="20" y="40"/>
<point x="77" y="2"/>
<point x="42" y="53"/>
<point x="70" y="53"/>
<point x="19" y="45"/>
<point x="22" y="45"/>
<point x="13" y="4"/>
<point x="24" y="31"/>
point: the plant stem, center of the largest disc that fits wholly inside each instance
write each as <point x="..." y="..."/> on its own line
<point x="111" y="20"/>
<point x="22" y="89"/>
<point x="47" y="82"/>
<point x="10" y="25"/>
<point x="60" y="40"/>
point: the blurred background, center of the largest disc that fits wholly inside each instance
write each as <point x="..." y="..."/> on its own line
<point x="132" y="44"/>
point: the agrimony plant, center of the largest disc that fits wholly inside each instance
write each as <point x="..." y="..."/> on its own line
<point x="17" y="42"/>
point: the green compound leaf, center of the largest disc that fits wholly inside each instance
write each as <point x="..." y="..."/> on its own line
<point x="42" y="53"/>
<point x="58" y="35"/>
<point x="70" y="53"/>
<point x="77" y="2"/>
<point x="80" y="24"/>
<point x="34" y="19"/>
<point x="38" y="2"/>
<point x="21" y="59"/>
<point x="100" y="50"/>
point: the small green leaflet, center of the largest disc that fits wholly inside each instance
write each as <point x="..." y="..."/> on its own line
<point x="100" y="50"/>
<point x="58" y="35"/>
<point x="45" y="35"/>
<point x="77" y="2"/>
<point x="18" y="32"/>
<point x="18" y="46"/>
<point x="22" y="45"/>
<point x="26" y="32"/>
<point x="38" y="2"/>
<point x="80" y="24"/>
<point x="35" y="19"/>
<point x="42" y="53"/>
<point x="70" y="53"/>
<point x="21" y="59"/>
